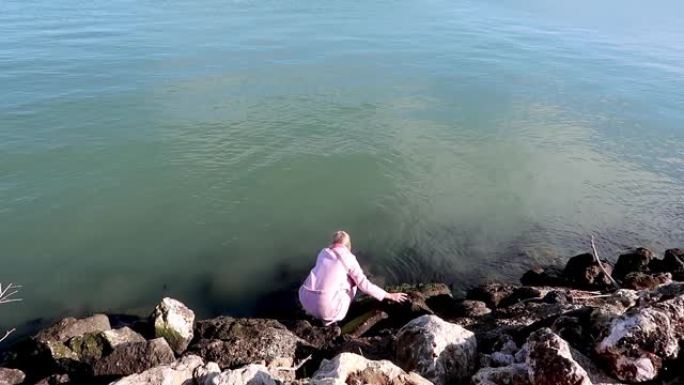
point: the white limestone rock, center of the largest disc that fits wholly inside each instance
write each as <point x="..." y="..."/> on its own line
<point x="175" y="322"/>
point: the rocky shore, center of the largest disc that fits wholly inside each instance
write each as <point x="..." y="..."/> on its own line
<point x="588" y="322"/>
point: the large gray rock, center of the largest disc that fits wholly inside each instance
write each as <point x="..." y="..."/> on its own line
<point x="248" y="375"/>
<point x="440" y="351"/>
<point x="124" y="335"/>
<point x="134" y="357"/>
<point x="636" y="343"/>
<point x="11" y="376"/>
<point x="353" y="369"/>
<point x="174" y="321"/>
<point x="235" y="342"/>
<point x="72" y="327"/>
<point x="187" y="369"/>
<point x="550" y="362"/>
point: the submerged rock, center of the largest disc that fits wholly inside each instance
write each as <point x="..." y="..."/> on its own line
<point x="173" y="321"/>
<point x="11" y="376"/>
<point x="549" y="361"/>
<point x="440" y="351"/>
<point x="352" y="369"/>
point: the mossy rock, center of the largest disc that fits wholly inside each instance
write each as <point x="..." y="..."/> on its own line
<point x="88" y="347"/>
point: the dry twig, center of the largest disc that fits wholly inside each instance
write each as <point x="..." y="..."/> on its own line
<point x="600" y="264"/>
<point x="296" y="368"/>
<point x="7" y="293"/>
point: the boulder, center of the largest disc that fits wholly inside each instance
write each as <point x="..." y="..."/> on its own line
<point x="11" y="376"/>
<point x="492" y="294"/>
<point x="634" y="261"/>
<point x="472" y="308"/>
<point x="549" y="361"/>
<point x="134" y="357"/>
<point x="440" y="351"/>
<point x="635" y="344"/>
<point x="248" y="375"/>
<point x="72" y="327"/>
<point x="124" y="335"/>
<point x="515" y="374"/>
<point x="673" y="262"/>
<point x="643" y="281"/>
<point x="180" y="372"/>
<point x="235" y="342"/>
<point x="353" y="369"/>
<point x="584" y="272"/>
<point x="173" y="321"/>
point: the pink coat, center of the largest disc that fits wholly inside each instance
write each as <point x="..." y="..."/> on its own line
<point x="331" y="286"/>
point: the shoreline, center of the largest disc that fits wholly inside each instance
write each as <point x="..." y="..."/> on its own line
<point x="583" y="310"/>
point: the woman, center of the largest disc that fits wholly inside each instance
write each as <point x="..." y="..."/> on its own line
<point x="331" y="286"/>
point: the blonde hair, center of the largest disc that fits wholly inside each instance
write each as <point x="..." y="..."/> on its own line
<point x="342" y="237"/>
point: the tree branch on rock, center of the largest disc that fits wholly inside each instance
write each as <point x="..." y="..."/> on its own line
<point x="600" y="264"/>
<point x="7" y="294"/>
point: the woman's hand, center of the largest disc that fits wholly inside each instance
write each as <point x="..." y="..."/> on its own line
<point x="397" y="297"/>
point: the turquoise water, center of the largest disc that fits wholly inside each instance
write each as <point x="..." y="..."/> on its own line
<point x="206" y="150"/>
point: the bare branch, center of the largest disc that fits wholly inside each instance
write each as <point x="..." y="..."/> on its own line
<point x="7" y="293"/>
<point x="600" y="264"/>
<point x="7" y="334"/>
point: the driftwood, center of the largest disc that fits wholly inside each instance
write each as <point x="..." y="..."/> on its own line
<point x="6" y="294"/>
<point x="600" y="264"/>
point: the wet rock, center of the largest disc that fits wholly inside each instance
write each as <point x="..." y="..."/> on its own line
<point x="363" y="323"/>
<point x="521" y="294"/>
<point x="643" y="281"/>
<point x="673" y="262"/>
<point x="550" y="362"/>
<point x="317" y="336"/>
<point x="440" y="351"/>
<point x="55" y="379"/>
<point x="635" y="344"/>
<point x="546" y="276"/>
<point x="492" y="294"/>
<point x="72" y="327"/>
<point x="124" y="335"/>
<point x="352" y="369"/>
<point x="177" y="373"/>
<point x="173" y="321"/>
<point x="515" y="374"/>
<point x="248" y="375"/>
<point x="635" y="261"/>
<point x="11" y="376"/>
<point x="235" y="342"/>
<point x="134" y="357"/>
<point x="472" y="308"/>
<point x="584" y="272"/>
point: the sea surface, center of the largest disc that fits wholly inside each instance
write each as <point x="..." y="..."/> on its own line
<point x="206" y="150"/>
